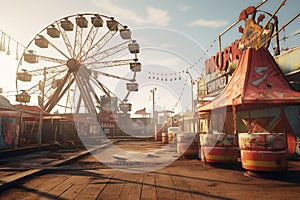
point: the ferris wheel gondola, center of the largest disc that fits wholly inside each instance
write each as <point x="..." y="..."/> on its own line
<point x="81" y="60"/>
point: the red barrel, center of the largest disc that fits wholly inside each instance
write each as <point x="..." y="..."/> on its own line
<point x="263" y="151"/>
<point x="164" y="138"/>
<point x="158" y="136"/>
<point x="219" y="154"/>
<point x="188" y="145"/>
<point x="264" y="160"/>
<point x="158" y="132"/>
<point x="219" y="148"/>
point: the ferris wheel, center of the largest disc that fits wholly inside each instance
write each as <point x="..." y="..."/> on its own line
<point x="79" y="54"/>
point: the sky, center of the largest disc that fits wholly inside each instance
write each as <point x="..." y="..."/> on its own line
<point x="173" y="35"/>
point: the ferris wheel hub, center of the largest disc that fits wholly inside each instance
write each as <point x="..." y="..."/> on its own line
<point x="73" y="65"/>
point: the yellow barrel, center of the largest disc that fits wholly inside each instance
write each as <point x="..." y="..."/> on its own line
<point x="263" y="151"/>
<point x="264" y="160"/>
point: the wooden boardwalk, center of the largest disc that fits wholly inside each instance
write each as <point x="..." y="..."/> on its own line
<point x="183" y="179"/>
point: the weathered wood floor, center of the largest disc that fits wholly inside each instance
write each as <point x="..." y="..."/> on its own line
<point x="183" y="179"/>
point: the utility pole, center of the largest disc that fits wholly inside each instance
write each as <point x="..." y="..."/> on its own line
<point x="192" y="96"/>
<point x="42" y="88"/>
<point x="192" y="89"/>
<point x="153" y="100"/>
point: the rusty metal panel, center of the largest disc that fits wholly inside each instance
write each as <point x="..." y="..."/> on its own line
<point x="289" y="61"/>
<point x="256" y="81"/>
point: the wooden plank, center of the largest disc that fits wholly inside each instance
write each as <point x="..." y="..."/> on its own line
<point x="184" y="188"/>
<point x="149" y="187"/>
<point x="17" y="176"/>
<point x="95" y="187"/>
<point x="112" y="189"/>
<point x="38" y="187"/>
<point x="12" y="194"/>
<point x="59" y="189"/>
<point x="50" y="184"/>
<point x="164" y="186"/>
<point x="132" y="186"/>
<point x="191" y="183"/>
<point x="76" y="187"/>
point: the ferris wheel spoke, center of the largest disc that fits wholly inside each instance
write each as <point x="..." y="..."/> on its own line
<point x="97" y="47"/>
<point x="88" y="42"/>
<point x="106" y="90"/>
<point x="50" y="70"/>
<point x="58" y="93"/>
<point x="66" y="39"/>
<point x="62" y="93"/>
<point x="65" y="89"/>
<point x="70" y="99"/>
<point x="77" y="106"/>
<point x="108" y="52"/>
<point x="91" y="90"/>
<point x="84" y="92"/>
<point x="77" y="42"/>
<point x="86" y="75"/>
<point x="52" y="83"/>
<point x="56" y="69"/>
<point x="113" y="76"/>
<point x="99" y="55"/>
<point x="35" y="88"/>
<point x="57" y="49"/>
<point x="49" y="59"/>
<point x="103" y="88"/>
<point x="107" y="64"/>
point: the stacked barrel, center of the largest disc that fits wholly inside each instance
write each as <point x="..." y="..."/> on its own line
<point x="172" y="138"/>
<point x="172" y="131"/>
<point x="188" y="144"/>
<point x="263" y="151"/>
<point x="158" y="132"/>
<point x="164" y="138"/>
<point x="219" y="148"/>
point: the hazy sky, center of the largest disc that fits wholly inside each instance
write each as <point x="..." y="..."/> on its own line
<point x="173" y="33"/>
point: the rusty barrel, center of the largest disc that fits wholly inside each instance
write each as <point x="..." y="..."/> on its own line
<point x="219" y="148"/>
<point x="188" y="144"/>
<point x="165" y="138"/>
<point x="158" y="136"/>
<point x="158" y="132"/>
<point x="172" y="138"/>
<point x="263" y="151"/>
<point x="172" y="131"/>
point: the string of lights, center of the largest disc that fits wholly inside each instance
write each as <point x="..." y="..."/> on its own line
<point x="7" y="43"/>
<point x="180" y="95"/>
<point x="177" y="76"/>
<point x="10" y="46"/>
<point x="173" y="76"/>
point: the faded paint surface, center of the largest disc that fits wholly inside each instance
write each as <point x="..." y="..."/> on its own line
<point x="289" y="61"/>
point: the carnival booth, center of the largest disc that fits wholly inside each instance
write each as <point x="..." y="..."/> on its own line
<point x="8" y="137"/>
<point x="258" y="107"/>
